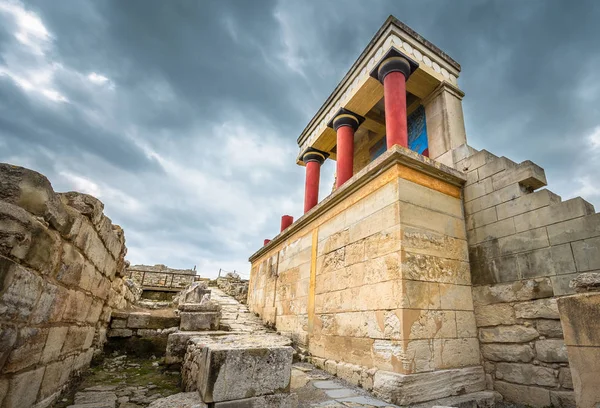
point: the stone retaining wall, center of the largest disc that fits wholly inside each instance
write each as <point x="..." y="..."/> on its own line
<point x="525" y="246"/>
<point x="61" y="263"/>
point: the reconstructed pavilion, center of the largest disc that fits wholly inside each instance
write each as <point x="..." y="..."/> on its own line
<point x="433" y="269"/>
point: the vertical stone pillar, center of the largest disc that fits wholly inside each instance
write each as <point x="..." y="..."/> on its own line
<point x="445" y="122"/>
<point x="345" y="124"/>
<point x="393" y="73"/>
<point x="286" y="221"/>
<point x="313" y="159"/>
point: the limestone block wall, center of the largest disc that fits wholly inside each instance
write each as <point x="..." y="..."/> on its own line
<point x="378" y="284"/>
<point x="525" y="246"/>
<point x="59" y="258"/>
<point x="161" y="276"/>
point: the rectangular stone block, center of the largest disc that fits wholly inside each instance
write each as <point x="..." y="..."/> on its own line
<point x="494" y="315"/>
<point x="526" y="173"/>
<point x="548" y="261"/>
<point x="476" y="190"/>
<point x="481" y="218"/>
<point x="145" y="320"/>
<point x="537" y="309"/>
<point x="265" y="401"/>
<point x="476" y="160"/>
<point x="503" y="195"/>
<point x="495" y="166"/>
<point x="422" y="218"/>
<point x="508" y="334"/>
<point x="551" y="351"/>
<point x="455" y="353"/>
<point x="526" y="203"/>
<point x="23" y="389"/>
<point x="233" y="367"/>
<point x="575" y="229"/>
<point x="580" y="318"/>
<point x="526" y="374"/>
<point x="492" y="231"/>
<point x="177" y="344"/>
<point x="77" y="338"/>
<point x="524" y="241"/>
<point x="430" y="199"/>
<point x="54" y="343"/>
<point x="27" y="350"/>
<point x="587" y="254"/>
<point x="430" y="243"/>
<point x="566" y="210"/>
<point x="512" y="292"/>
<point x="532" y="396"/>
<point x="21" y="288"/>
<point x="402" y="389"/>
<point x="194" y="321"/>
<point x="507" y="352"/>
<point x="585" y="372"/>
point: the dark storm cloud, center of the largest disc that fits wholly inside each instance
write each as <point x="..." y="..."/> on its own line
<point x="182" y="116"/>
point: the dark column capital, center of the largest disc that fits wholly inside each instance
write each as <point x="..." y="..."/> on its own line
<point x="394" y="61"/>
<point x="344" y="117"/>
<point x="312" y="154"/>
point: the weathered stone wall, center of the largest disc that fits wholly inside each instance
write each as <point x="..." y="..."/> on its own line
<point x="379" y="282"/>
<point x="525" y="247"/>
<point x="161" y="276"/>
<point x="59" y="260"/>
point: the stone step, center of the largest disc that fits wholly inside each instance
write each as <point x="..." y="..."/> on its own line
<point x="475" y="161"/>
<point x="527" y="174"/>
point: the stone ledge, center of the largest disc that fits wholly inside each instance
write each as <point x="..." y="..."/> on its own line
<point x="403" y="389"/>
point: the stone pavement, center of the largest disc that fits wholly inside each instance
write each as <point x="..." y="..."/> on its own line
<point x="318" y="388"/>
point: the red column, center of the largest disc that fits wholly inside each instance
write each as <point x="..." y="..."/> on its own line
<point x="313" y="159"/>
<point x="394" y="94"/>
<point x="311" y="188"/>
<point x="345" y="154"/>
<point x="286" y="221"/>
<point x="392" y="73"/>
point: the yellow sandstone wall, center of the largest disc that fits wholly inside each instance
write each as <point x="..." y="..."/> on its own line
<point x="380" y="280"/>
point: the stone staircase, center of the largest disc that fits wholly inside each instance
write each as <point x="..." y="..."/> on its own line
<point x="513" y="226"/>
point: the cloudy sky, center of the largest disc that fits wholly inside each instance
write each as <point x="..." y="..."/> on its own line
<point x="182" y="116"/>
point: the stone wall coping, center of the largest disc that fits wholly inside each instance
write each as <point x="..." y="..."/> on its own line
<point x="395" y="155"/>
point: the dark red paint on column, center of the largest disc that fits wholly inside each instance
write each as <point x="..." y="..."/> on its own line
<point x="286" y="221"/>
<point x="311" y="188"/>
<point x="345" y="154"/>
<point x="394" y="94"/>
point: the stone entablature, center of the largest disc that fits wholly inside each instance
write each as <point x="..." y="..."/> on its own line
<point x="359" y="91"/>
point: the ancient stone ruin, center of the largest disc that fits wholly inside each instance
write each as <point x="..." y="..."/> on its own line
<point x="433" y="275"/>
